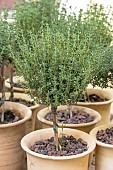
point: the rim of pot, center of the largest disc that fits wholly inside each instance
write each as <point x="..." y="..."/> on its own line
<point x="108" y="95"/>
<point x="96" y="115"/>
<point x="94" y="131"/>
<point x="27" y="113"/>
<point x="91" y="146"/>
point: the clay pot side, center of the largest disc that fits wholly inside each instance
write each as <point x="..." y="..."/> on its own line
<point x="86" y="127"/>
<point x="103" y="152"/>
<point x="11" y="153"/>
<point x="31" y="124"/>
<point x="38" y="161"/>
<point x="101" y="107"/>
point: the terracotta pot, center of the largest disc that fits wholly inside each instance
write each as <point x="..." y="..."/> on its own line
<point x="31" y="124"/>
<point x="16" y="79"/>
<point x="86" y="127"/>
<point x="37" y="161"/>
<point x="101" y="107"/>
<point x="11" y="153"/>
<point x="103" y="152"/>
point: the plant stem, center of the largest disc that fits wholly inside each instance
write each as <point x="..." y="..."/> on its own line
<point x="11" y="84"/>
<point x="55" y="126"/>
<point x="86" y="96"/>
<point x="3" y="91"/>
<point x="3" y="99"/>
<point x="70" y="111"/>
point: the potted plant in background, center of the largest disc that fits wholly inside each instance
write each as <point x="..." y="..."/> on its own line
<point x="5" y="37"/>
<point x="100" y="24"/>
<point x="12" y="130"/>
<point x="24" y="21"/>
<point x="6" y="34"/>
<point x="104" y="146"/>
<point x="28" y="17"/>
<point x="58" y="65"/>
<point x="13" y="116"/>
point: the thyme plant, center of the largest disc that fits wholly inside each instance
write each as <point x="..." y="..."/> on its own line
<point x="29" y="14"/>
<point x="62" y="58"/>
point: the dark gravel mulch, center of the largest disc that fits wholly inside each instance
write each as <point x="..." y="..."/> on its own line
<point x="92" y="98"/>
<point x="63" y="116"/>
<point x="10" y="117"/>
<point x="22" y="101"/>
<point x="105" y="136"/>
<point x="69" y="146"/>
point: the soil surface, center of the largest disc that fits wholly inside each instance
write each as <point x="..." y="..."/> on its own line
<point x="105" y="136"/>
<point x="22" y="101"/>
<point x="92" y="98"/>
<point x="68" y="146"/>
<point x="10" y="117"/>
<point x="63" y="116"/>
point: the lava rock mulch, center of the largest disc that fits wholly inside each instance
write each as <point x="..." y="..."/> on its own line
<point x="92" y="98"/>
<point x="22" y="101"/>
<point x="105" y="136"/>
<point x="63" y="116"/>
<point x="10" y="117"/>
<point x="69" y="146"/>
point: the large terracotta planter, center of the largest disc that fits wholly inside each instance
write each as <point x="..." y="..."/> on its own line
<point x="101" y="107"/>
<point x="16" y="79"/>
<point x="86" y="127"/>
<point x="37" y="161"/>
<point x="11" y="153"/>
<point x="31" y="124"/>
<point x="103" y="152"/>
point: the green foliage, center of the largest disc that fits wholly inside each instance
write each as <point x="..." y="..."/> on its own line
<point x="60" y="63"/>
<point x="65" y="54"/>
<point x="61" y="55"/>
<point x="99" y="22"/>
<point x="29" y="15"/>
<point x="105" y="73"/>
<point x="6" y="34"/>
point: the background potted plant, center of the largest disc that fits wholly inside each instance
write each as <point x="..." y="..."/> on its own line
<point x="6" y="36"/>
<point x="28" y="17"/>
<point x="13" y="116"/>
<point x="12" y="130"/>
<point x="99" y="22"/>
<point x="104" y="146"/>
